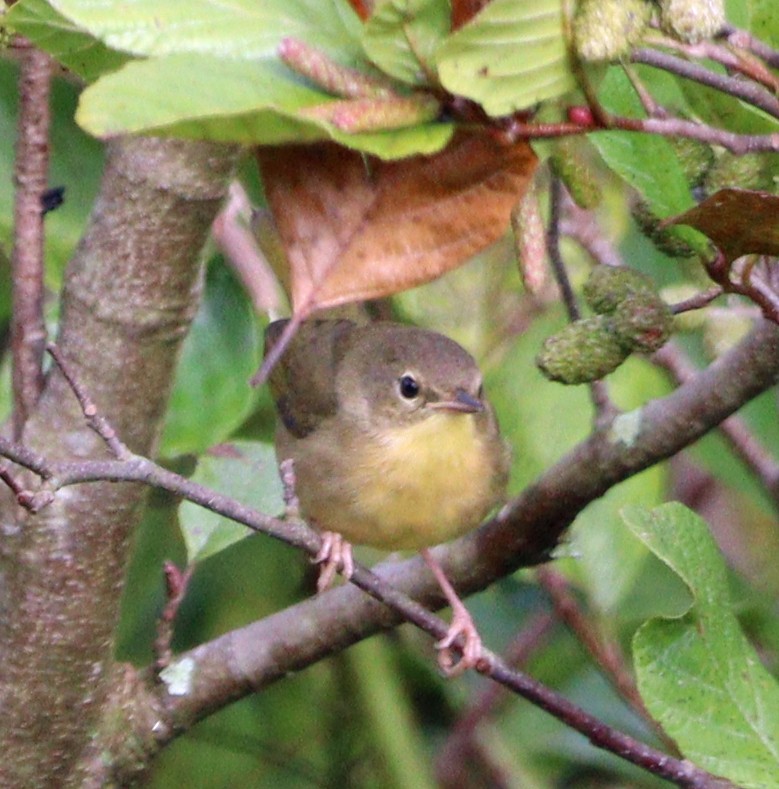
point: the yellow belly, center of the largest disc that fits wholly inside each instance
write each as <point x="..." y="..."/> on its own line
<point x="421" y="484"/>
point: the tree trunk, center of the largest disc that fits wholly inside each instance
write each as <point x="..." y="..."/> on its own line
<point x="130" y="293"/>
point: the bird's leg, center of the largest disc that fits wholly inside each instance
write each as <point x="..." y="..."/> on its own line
<point x="462" y="625"/>
<point x="336" y="552"/>
<point x="291" y="501"/>
<point x="334" y="555"/>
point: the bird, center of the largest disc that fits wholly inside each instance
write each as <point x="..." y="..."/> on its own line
<point x="393" y="445"/>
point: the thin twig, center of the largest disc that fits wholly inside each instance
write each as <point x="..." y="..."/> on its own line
<point x="291" y="501"/>
<point x="697" y="302"/>
<point x="176" y="582"/>
<point x="462" y="744"/>
<point x="273" y="355"/>
<point x="11" y="481"/>
<point x="582" y="227"/>
<point x="749" y="92"/>
<point x="763" y="294"/>
<point x="678" y="127"/>
<point x="745" y="40"/>
<point x="607" y="654"/>
<point x="230" y="230"/>
<point x="681" y="772"/>
<point x="28" y="331"/>
<point x="651" y="107"/>
<point x="516" y="129"/>
<point x="604" y="409"/>
<point x="553" y="248"/>
<point x="735" y="429"/>
<point x="95" y="420"/>
<point x="749" y="67"/>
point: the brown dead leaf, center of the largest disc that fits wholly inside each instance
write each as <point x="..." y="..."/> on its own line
<point x="357" y="228"/>
<point x="738" y="221"/>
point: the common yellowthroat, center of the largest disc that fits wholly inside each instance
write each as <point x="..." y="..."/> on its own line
<point x="393" y="444"/>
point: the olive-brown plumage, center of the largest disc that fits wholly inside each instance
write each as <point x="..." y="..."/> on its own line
<point x="393" y="442"/>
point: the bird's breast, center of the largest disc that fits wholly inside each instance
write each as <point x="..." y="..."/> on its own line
<point x="424" y="483"/>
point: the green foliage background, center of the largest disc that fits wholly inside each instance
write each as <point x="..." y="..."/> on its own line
<point x="378" y="714"/>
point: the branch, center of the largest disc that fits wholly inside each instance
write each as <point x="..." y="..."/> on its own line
<point x="28" y="332"/>
<point x="698" y="301"/>
<point x="607" y="654"/>
<point x="604" y="409"/>
<point x="749" y="92"/>
<point x="677" y="127"/>
<point x="524" y="534"/>
<point x="231" y="233"/>
<point x="733" y="61"/>
<point x="735" y="429"/>
<point x="668" y="127"/>
<point x="463" y="744"/>
<point x="582" y="227"/>
<point x="745" y="40"/>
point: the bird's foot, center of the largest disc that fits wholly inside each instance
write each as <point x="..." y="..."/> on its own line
<point x="454" y="662"/>
<point x="335" y="555"/>
<point x="462" y="629"/>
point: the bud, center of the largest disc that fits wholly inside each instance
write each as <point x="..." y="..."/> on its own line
<point x="375" y="114"/>
<point x="643" y="322"/>
<point x="530" y="242"/>
<point x="608" y="29"/>
<point x="690" y="320"/>
<point x="608" y="286"/>
<point x="695" y="158"/>
<point x="568" y="164"/>
<point x="665" y="239"/>
<point x="582" y="352"/>
<point x="339" y="80"/>
<point x="692" y="21"/>
<point x="750" y="171"/>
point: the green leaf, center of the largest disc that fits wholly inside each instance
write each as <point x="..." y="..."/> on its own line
<point x="757" y="16"/>
<point x="204" y="97"/>
<point x="211" y="395"/>
<point x="697" y="673"/>
<point x="642" y="159"/>
<point x="243" y="470"/>
<point x="646" y="161"/>
<point x="511" y="55"/>
<point x="76" y="49"/>
<point x="243" y="29"/>
<point x="401" y="37"/>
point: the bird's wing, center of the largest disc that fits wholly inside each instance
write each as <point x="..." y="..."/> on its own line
<point x="303" y="381"/>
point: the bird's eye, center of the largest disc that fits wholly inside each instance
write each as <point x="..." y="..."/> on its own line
<point x="409" y="388"/>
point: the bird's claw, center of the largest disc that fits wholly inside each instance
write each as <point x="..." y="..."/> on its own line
<point x="471" y="651"/>
<point x="335" y="555"/>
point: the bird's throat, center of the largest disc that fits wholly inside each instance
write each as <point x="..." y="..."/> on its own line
<point x="431" y="481"/>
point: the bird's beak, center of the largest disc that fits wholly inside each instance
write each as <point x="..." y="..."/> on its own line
<point x="462" y="403"/>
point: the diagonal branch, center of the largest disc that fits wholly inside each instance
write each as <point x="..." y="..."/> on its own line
<point x="749" y="92"/>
